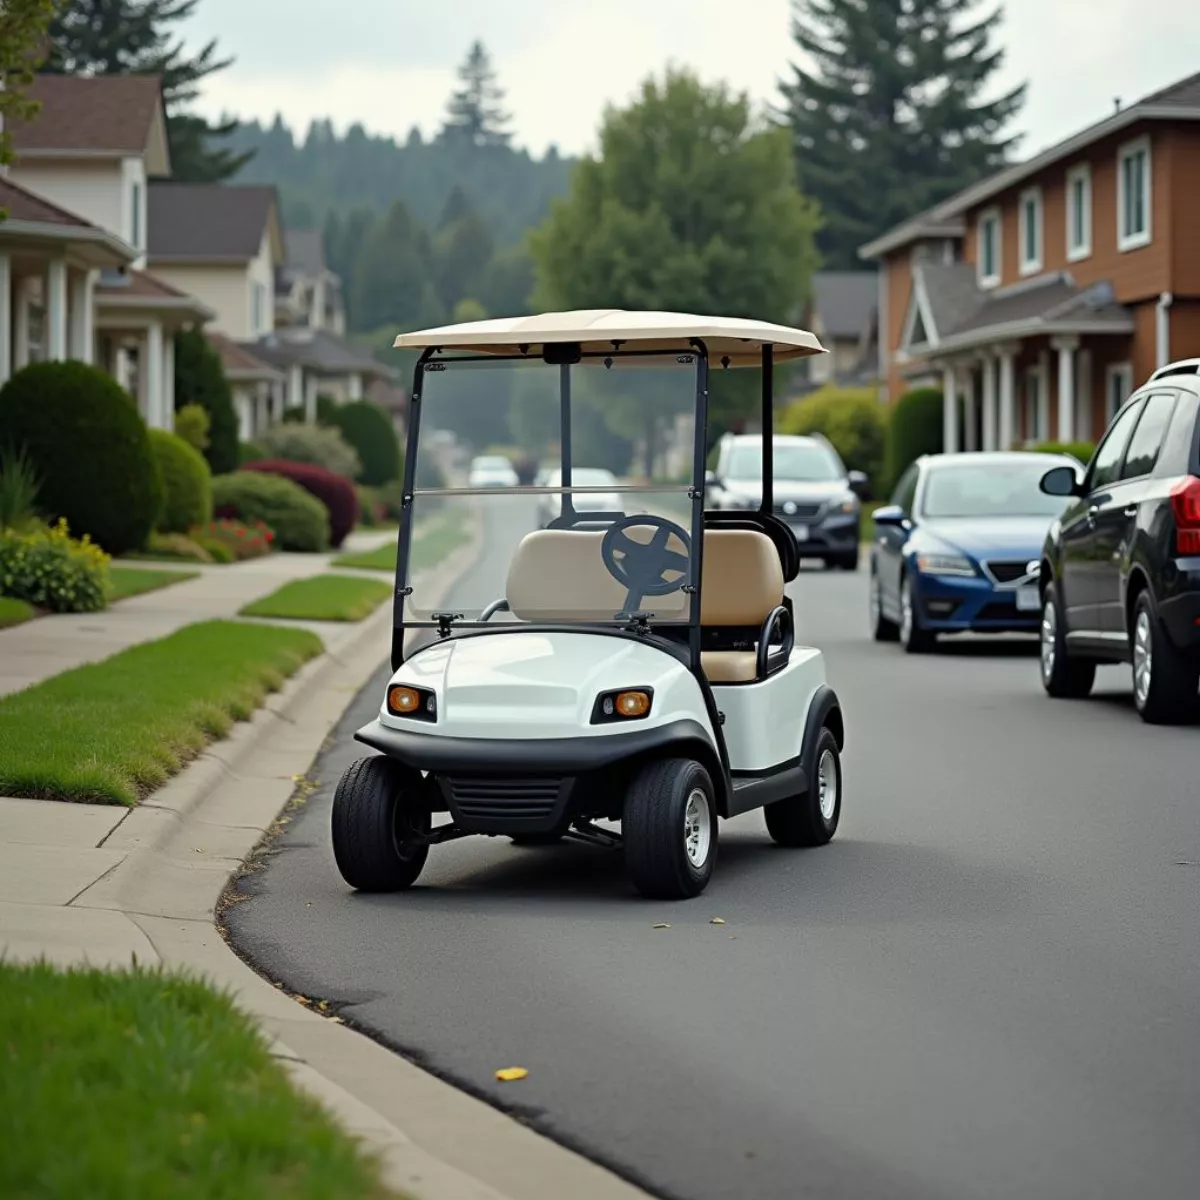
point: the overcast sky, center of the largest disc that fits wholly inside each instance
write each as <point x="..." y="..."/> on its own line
<point x="390" y="63"/>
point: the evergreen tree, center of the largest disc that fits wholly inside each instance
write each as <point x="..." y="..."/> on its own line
<point x="134" y="37"/>
<point x="393" y="276"/>
<point x="887" y="116"/>
<point x="475" y="113"/>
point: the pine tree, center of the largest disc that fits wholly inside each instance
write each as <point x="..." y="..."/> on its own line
<point x="133" y="37"/>
<point x="475" y="113"/>
<point x="886" y="114"/>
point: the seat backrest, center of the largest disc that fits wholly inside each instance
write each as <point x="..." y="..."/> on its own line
<point x="743" y="578"/>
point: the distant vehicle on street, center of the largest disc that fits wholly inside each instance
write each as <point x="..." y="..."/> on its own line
<point x="491" y="470"/>
<point x="815" y="495"/>
<point x="550" y="507"/>
<point x="1120" y="579"/>
<point x="957" y="550"/>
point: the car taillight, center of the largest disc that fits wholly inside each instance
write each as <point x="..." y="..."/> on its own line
<point x="1185" y="504"/>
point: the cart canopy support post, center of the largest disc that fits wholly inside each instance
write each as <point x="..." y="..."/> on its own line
<point x="768" y="428"/>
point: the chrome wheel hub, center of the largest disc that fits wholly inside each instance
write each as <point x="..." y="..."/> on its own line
<point x="1143" y="658"/>
<point x="1049" y="639"/>
<point x="697" y="828"/>
<point x="828" y="784"/>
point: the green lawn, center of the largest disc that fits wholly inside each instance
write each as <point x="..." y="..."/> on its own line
<point x="112" y="731"/>
<point x="133" y="581"/>
<point x="142" y="1083"/>
<point x="15" y="612"/>
<point x="323" y="598"/>
<point x="436" y="538"/>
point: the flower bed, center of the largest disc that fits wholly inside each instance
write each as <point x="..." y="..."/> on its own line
<point x="243" y="539"/>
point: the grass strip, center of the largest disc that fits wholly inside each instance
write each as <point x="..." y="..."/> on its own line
<point x="134" y="581"/>
<point x="15" y="612"/>
<point x="437" y="538"/>
<point x="149" y="1084"/>
<point x="113" y="731"/>
<point x="322" y="598"/>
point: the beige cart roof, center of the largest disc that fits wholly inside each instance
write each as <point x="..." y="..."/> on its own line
<point x="739" y="340"/>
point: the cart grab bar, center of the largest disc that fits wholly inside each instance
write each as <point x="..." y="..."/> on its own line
<point x="778" y="619"/>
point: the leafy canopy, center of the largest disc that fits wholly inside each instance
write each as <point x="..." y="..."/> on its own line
<point x="22" y="35"/>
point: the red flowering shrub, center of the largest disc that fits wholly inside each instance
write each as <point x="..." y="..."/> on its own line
<point x="242" y="539"/>
<point x="334" y="491"/>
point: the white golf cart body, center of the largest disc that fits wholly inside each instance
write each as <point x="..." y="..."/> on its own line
<point x="517" y="722"/>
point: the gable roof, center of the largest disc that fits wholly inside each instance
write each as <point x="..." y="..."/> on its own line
<point x="24" y="205"/>
<point x="141" y="290"/>
<point x="319" y="351"/>
<point x="305" y="250"/>
<point x="213" y="222"/>
<point x="30" y="216"/>
<point x="845" y="301"/>
<point x="96" y="115"/>
<point x="239" y="361"/>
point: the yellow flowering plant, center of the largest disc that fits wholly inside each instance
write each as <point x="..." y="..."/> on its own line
<point x="46" y="567"/>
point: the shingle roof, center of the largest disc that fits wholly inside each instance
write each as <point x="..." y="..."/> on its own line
<point x="23" y="205"/>
<point x="305" y="250"/>
<point x="207" y="220"/>
<point x="239" y="360"/>
<point x="1184" y="94"/>
<point x="318" y="350"/>
<point x="139" y="283"/>
<point x="97" y="113"/>
<point x="845" y="301"/>
<point x="951" y="291"/>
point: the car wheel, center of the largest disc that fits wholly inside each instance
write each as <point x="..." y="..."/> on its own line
<point x="882" y="630"/>
<point x="914" y="638"/>
<point x="1063" y="677"/>
<point x="670" y="829"/>
<point x="1164" y="683"/>
<point x="811" y="818"/>
<point x="847" y="561"/>
<point x="379" y="822"/>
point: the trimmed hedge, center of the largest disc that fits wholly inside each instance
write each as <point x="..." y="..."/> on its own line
<point x="300" y="521"/>
<point x="89" y="449"/>
<point x="187" y="483"/>
<point x="851" y="418"/>
<point x="1080" y="450"/>
<point x="333" y="491"/>
<point x="914" y="428"/>
<point x="370" y="431"/>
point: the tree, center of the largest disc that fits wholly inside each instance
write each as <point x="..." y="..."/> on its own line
<point x="200" y="379"/>
<point x="887" y="116"/>
<point x="688" y="206"/>
<point x="393" y="276"/>
<point x="23" y="25"/>
<point x="462" y="251"/>
<point x="475" y="112"/>
<point x="133" y="37"/>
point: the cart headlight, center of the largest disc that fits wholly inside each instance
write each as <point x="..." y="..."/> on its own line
<point x="417" y="703"/>
<point x="945" y="564"/>
<point x="630" y="704"/>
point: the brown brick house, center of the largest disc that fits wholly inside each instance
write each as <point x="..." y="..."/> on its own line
<point x="1040" y="297"/>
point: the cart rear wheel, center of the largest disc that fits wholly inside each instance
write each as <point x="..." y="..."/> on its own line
<point x="670" y="829"/>
<point x="379" y="816"/>
<point x="811" y="818"/>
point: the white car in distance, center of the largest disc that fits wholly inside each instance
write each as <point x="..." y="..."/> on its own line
<point x="550" y="507"/>
<point x="491" y="470"/>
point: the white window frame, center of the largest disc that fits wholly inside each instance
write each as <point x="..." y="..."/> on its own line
<point x="1134" y="241"/>
<point x="989" y="214"/>
<point x="1030" y="266"/>
<point x="1122" y="371"/>
<point x="135" y="214"/>
<point x="1077" y="250"/>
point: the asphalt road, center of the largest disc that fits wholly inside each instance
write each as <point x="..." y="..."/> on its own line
<point x="988" y="985"/>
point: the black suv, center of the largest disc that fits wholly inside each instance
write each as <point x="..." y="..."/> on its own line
<point x="1120" y="572"/>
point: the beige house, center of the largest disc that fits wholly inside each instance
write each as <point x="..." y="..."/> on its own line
<point x="259" y="389"/>
<point x="307" y="292"/>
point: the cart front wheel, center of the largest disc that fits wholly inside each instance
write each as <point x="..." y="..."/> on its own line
<point x="811" y="818"/>
<point x="380" y="819"/>
<point x="670" y="830"/>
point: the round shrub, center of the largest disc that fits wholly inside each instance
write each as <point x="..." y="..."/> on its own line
<point x="851" y="418"/>
<point x="89" y="448"/>
<point x="50" y="569"/>
<point x="915" y="428"/>
<point x="187" y="483"/>
<point x="248" y="452"/>
<point x="192" y="423"/>
<point x="370" y="431"/>
<point x="200" y="379"/>
<point x="1082" y="451"/>
<point x="335" y="492"/>
<point x="317" y="445"/>
<point x="300" y="521"/>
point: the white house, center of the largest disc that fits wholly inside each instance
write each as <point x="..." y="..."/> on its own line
<point x="307" y="292"/>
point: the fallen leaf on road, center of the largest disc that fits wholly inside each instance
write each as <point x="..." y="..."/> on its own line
<point x="662" y="925"/>
<point x="717" y="921"/>
<point x="509" y="1074"/>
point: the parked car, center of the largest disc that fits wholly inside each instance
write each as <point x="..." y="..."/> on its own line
<point x="958" y="548"/>
<point x="491" y="470"/>
<point x="550" y="507"/>
<point x="814" y="493"/>
<point x="1120" y="579"/>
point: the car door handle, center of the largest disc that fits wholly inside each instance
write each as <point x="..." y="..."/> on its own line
<point x="1132" y="510"/>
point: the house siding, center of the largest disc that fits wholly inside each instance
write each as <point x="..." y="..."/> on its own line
<point x="92" y="189"/>
<point x="1185" y="328"/>
<point x="897" y="298"/>
<point x="261" y="272"/>
<point x="223" y="288"/>
<point x="1184" y="194"/>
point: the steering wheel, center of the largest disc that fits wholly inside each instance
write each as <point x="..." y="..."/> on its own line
<point x="642" y="566"/>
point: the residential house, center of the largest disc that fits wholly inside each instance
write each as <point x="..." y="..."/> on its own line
<point x="1038" y="298"/>
<point x="842" y="314"/>
<point x="307" y="292"/>
<point x="259" y="389"/>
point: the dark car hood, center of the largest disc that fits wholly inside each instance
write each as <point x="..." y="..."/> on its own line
<point x="985" y="537"/>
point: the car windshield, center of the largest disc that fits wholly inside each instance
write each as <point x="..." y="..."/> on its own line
<point x="494" y="539"/>
<point x="795" y="462"/>
<point x="990" y="489"/>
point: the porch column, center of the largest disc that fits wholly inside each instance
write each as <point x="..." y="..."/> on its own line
<point x="1042" y="431"/>
<point x="1008" y="394"/>
<point x="1083" y="400"/>
<point x="5" y="318"/>
<point x="22" y="340"/>
<point x="150" y="377"/>
<point x="989" y="401"/>
<point x="56" y="310"/>
<point x="168" y="377"/>
<point x="354" y="389"/>
<point x="970" y="413"/>
<point x="83" y="311"/>
<point x="310" y="399"/>
<point x="295" y="388"/>
<point x="262" y="407"/>
<point x="949" y="410"/>
<point x="1066" y="347"/>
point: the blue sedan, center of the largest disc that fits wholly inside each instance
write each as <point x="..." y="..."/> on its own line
<point x="958" y="548"/>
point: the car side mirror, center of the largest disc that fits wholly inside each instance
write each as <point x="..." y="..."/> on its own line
<point x="890" y="516"/>
<point x="711" y="480"/>
<point x="1060" y="481"/>
<point x="859" y="484"/>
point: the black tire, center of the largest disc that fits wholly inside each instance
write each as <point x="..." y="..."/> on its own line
<point x="654" y="834"/>
<point x="1063" y="677"/>
<point x="378" y="807"/>
<point x="882" y="630"/>
<point x="915" y="639"/>
<point x="847" y="561"/>
<point x="1167" y="695"/>
<point x="799" y="820"/>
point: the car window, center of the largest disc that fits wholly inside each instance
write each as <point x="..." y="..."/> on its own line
<point x="906" y="489"/>
<point x="1107" y="460"/>
<point x="1006" y="486"/>
<point x="796" y="462"/>
<point x="1180" y="454"/>
<point x="1148" y="436"/>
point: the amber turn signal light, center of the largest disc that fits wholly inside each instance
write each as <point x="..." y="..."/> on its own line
<point x="630" y="705"/>
<point x="404" y="700"/>
<point x="633" y="704"/>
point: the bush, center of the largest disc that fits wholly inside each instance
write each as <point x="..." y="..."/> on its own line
<point x="175" y="545"/>
<point x="248" y="452"/>
<point x="237" y="538"/>
<point x="216" y="550"/>
<point x="915" y="428"/>
<point x="300" y="522"/>
<point x="1080" y="450"/>
<point x="192" y="423"/>
<point x="333" y="491"/>
<point x="18" y="489"/>
<point x="187" y="483"/>
<point x="200" y="379"/>
<point x="326" y="407"/>
<point x="314" y="445"/>
<point x="369" y="430"/>
<point x="294" y="416"/>
<point x="851" y="418"/>
<point x="89" y="448"/>
<point x="50" y="569"/>
<point x="372" y="510"/>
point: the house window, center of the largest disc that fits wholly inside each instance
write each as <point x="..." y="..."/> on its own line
<point x="1031" y="231"/>
<point x="135" y="217"/>
<point x="1133" y="195"/>
<point x="1079" y="213"/>
<point x="257" y="302"/>
<point x="1118" y="389"/>
<point x="989" y="248"/>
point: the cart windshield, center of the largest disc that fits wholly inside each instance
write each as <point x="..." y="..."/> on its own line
<point x="553" y="494"/>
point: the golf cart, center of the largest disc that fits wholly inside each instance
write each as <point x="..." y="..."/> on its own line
<point x="636" y="666"/>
